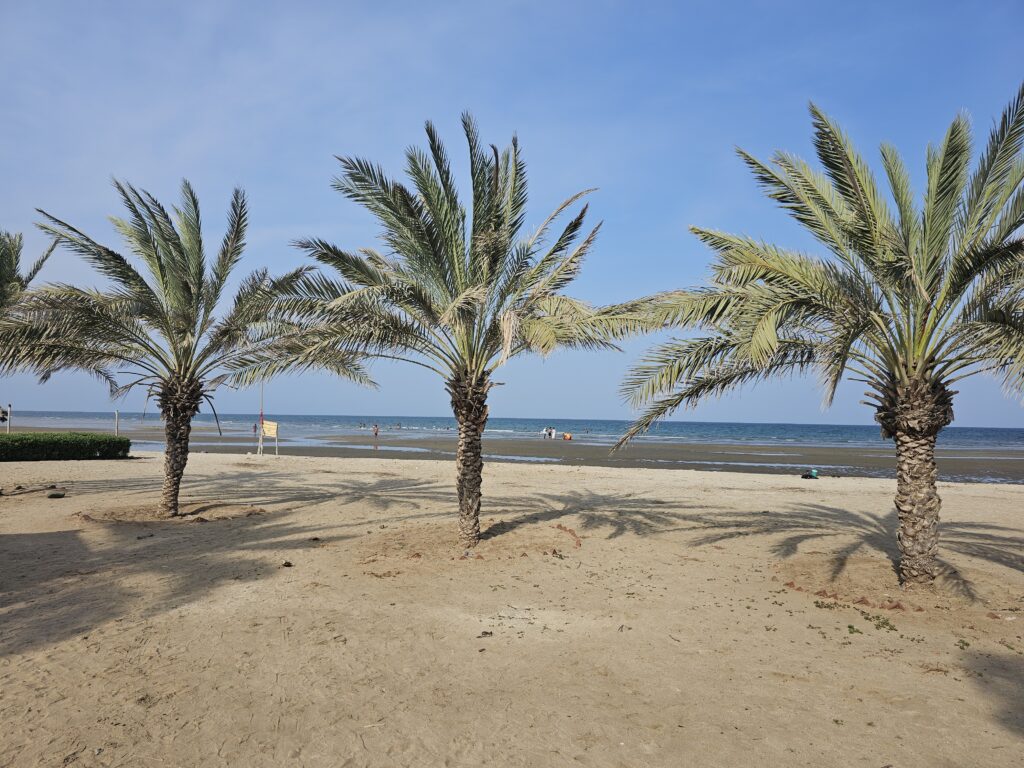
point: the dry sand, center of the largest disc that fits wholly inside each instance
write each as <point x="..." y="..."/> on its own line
<point x="614" y="617"/>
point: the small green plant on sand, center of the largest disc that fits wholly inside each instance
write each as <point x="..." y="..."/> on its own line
<point x="827" y="606"/>
<point x="880" y="622"/>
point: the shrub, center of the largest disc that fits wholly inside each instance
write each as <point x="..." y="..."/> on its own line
<point x="62" y="446"/>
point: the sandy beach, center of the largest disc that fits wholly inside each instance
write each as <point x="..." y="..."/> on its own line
<point x="315" y="612"/>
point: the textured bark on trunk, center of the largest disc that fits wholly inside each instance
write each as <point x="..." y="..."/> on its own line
<point x="469" y="404"/>
<point x="912" y="415"/>
<point x="179" y="402"/>
<point x="917" y="505"/>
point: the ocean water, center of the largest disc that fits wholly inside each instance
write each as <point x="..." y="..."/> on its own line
<point x="312" y="430"/>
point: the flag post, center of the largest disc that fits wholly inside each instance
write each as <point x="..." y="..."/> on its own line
<point x="259" y="444"/>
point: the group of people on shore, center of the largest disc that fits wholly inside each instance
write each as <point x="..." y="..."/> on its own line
<point x="550" y="433"/>
<point x="376" y="427"/>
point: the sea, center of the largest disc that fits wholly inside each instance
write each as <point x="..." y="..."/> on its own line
<point x="317" y="430"/>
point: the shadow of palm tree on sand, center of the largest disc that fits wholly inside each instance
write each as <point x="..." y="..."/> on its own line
<point x="852" y="532"/>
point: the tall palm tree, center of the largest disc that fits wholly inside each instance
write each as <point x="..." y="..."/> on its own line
<point x="908" y="300"/>
<point x="12" y="281"/>
<point x="458" y="293"/>
<point x="159" y="324"/>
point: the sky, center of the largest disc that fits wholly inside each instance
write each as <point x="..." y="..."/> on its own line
<point x="647" y="101"/>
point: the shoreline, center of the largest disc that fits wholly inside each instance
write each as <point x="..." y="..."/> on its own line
<point x="991" y="466"/>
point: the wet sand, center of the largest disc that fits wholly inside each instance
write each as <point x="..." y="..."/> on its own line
<point x="839" y="461"/>
<point x="955" y="464"/>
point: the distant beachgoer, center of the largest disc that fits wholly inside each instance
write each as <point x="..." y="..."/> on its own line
<point x="567" y="435"/>
<point x="254" y="430"/>
<point x="376" y="431"/>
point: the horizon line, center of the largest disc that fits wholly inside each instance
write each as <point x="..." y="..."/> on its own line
<point x="522" y="418"/>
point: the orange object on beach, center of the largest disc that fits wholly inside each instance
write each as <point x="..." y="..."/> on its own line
<point x="567" y="435"/>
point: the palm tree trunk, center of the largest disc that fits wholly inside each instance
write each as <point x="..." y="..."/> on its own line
<point x="913" y="415"/>
<point x="179" y="402"/>
<point x="917" y="505"/>
<point x="469" y="404"/>
<point x="177" y="429"/>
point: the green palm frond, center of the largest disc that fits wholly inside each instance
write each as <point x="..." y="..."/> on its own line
<point x="682" y="373"/>
<point x="927" y="293"/>
<point x="14" y="282"/>
<point x="462" y="289"/>
<point x="160" y="319"/>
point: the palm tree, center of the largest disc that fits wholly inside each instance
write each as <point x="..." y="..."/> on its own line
<point x="458" y="293"/>
<point x="12" y="282"/>
<point x="160" y="324"/>
<point x="907" y="300"/>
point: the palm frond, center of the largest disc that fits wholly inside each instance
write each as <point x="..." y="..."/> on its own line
<point x="155" y="324"/>
<point x="929" y="296"/>
<point x="461" y="289"/>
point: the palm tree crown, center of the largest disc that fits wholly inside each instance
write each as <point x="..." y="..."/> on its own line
<point x="12" y="281"/>
<point x="458" y="292"/>
<point x="909" y="299"/>
<point x="160" y="325"/>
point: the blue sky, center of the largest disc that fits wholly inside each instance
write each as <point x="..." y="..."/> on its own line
<point x="644" y="100"/>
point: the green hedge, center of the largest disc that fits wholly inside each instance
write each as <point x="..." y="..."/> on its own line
<point x="62" y="446"/>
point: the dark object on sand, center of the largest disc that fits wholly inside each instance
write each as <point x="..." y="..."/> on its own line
<point x="810" y="474"/>
<point x="55" y="495"/>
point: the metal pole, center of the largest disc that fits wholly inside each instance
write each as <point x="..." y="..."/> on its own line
<point x="259" y="448"/>
<point x="10" y="416"/>
<point x="117" y="424"/>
